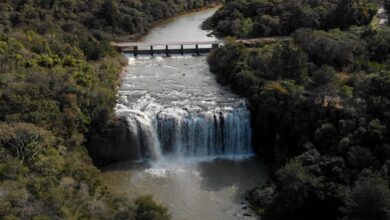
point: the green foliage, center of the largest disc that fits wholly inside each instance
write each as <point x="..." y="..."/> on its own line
<point x="296" y="181"/>
<point x="254" y="18"/>
<point x="100" y="17"/>
<point x="336" y="48"/>
<point x="301" y="194"/>
<point x="12" y="169"/>
<point x="387" y="4"/>
<point x="324" y="83"/>
<point x="227" y="60"/>
<point x="147" y="209"/>
<point x="58" y="80"/>
<point x="368" y="199"/>
<point x="321" y="119"/>
<point x="379" y="44"/>
<point x="324" y="76"/>
<point x="26" y="143"/>
<point x="289" y="62"/>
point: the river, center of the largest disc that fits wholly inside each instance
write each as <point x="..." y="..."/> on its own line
<point x="191" y="135"/>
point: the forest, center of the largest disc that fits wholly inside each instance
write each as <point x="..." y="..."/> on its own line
<point x="259" y="18"/>
<point x="320" y="103"/>
<point x="320" y="107"/>
<point x="58" y="81"/>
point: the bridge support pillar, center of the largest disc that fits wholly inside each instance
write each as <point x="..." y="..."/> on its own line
<point x="182" y="49"/>
<point x="135" y="51"/>
<point x="197" y="49"/>
<point x="151" y="50"/>
<point x="166" y="51"/>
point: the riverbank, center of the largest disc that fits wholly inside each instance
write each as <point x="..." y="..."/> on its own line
<point x="58" y="89"/>
<point x="139" y="37"/>
<point x="107" y="147"/>
<point x="312" y="109"/>
<point x="196" y="131"/>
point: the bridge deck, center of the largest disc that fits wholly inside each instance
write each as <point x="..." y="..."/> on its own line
<point x="146" y="44"/>
<point x="244" y="41"/>
<point x="195" y="47"/>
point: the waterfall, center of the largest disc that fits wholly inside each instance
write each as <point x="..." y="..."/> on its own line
<point x="180" y="132"/>
<point x="174" y="107"/>
<point x="144" y="135"/>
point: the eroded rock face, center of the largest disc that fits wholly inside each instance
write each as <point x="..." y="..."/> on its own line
<point x="116" y="143"/>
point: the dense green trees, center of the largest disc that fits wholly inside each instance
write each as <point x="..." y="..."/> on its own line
<point x="58" y="80"/>
<point x="254" y="18"/>
<point x="146" y="208"/>
<point x="101" y="17"/>
<point x="368" y="199"/>
<point x="337" y="48"/>
<point x="379" y="44"/>
<point x="61" y="98"/>
<point x="320" y="105"/>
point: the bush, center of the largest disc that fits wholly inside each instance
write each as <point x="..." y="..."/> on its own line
<point x="147" y="209"/>
<point x="368" y="199"/>
<point x="259" y="18"/>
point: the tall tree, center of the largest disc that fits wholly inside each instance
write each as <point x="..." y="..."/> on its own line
<point x="369" y="199"/>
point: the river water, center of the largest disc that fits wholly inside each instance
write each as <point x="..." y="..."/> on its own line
<point x="192" y="136"/>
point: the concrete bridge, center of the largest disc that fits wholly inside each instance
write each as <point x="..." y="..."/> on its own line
<point x="192" y="47"/>
<point x="167" y="48"/>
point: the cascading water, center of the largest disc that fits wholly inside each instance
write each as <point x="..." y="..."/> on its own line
<point x="205" y="133"/>
<point x="173" y="109"/>
<point x="144" y="134"/>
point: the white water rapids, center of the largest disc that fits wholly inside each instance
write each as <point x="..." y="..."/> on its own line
<point x="174" y="106"/>
<point x="192" y="134"/>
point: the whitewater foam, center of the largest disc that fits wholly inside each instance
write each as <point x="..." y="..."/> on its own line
<point x="174" y="111"/>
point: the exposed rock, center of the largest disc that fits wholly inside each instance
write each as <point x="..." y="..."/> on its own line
<point x="114" y="144"/>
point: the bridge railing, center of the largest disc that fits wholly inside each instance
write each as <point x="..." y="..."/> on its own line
<point x="193" y="47"/>
<point x="132" y="44"/>
<point x="167" y="48"/>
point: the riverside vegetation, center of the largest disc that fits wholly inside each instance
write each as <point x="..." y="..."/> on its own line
<point x="58" y="79"/>
<point x="320" y="104"/>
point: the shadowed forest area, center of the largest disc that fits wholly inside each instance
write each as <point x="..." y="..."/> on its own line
<point x="320" y="104"/>
<point x="248" y="19"/>
<point x="58" y="81"/>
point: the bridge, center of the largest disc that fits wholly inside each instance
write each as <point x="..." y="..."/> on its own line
<point x="191" y="47"/>
<point x="167" y="48"/>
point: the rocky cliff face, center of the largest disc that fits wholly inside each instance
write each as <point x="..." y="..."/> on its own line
<point x="115" y="144"/>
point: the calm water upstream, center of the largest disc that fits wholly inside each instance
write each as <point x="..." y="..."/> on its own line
<point x="192" y="135"/>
